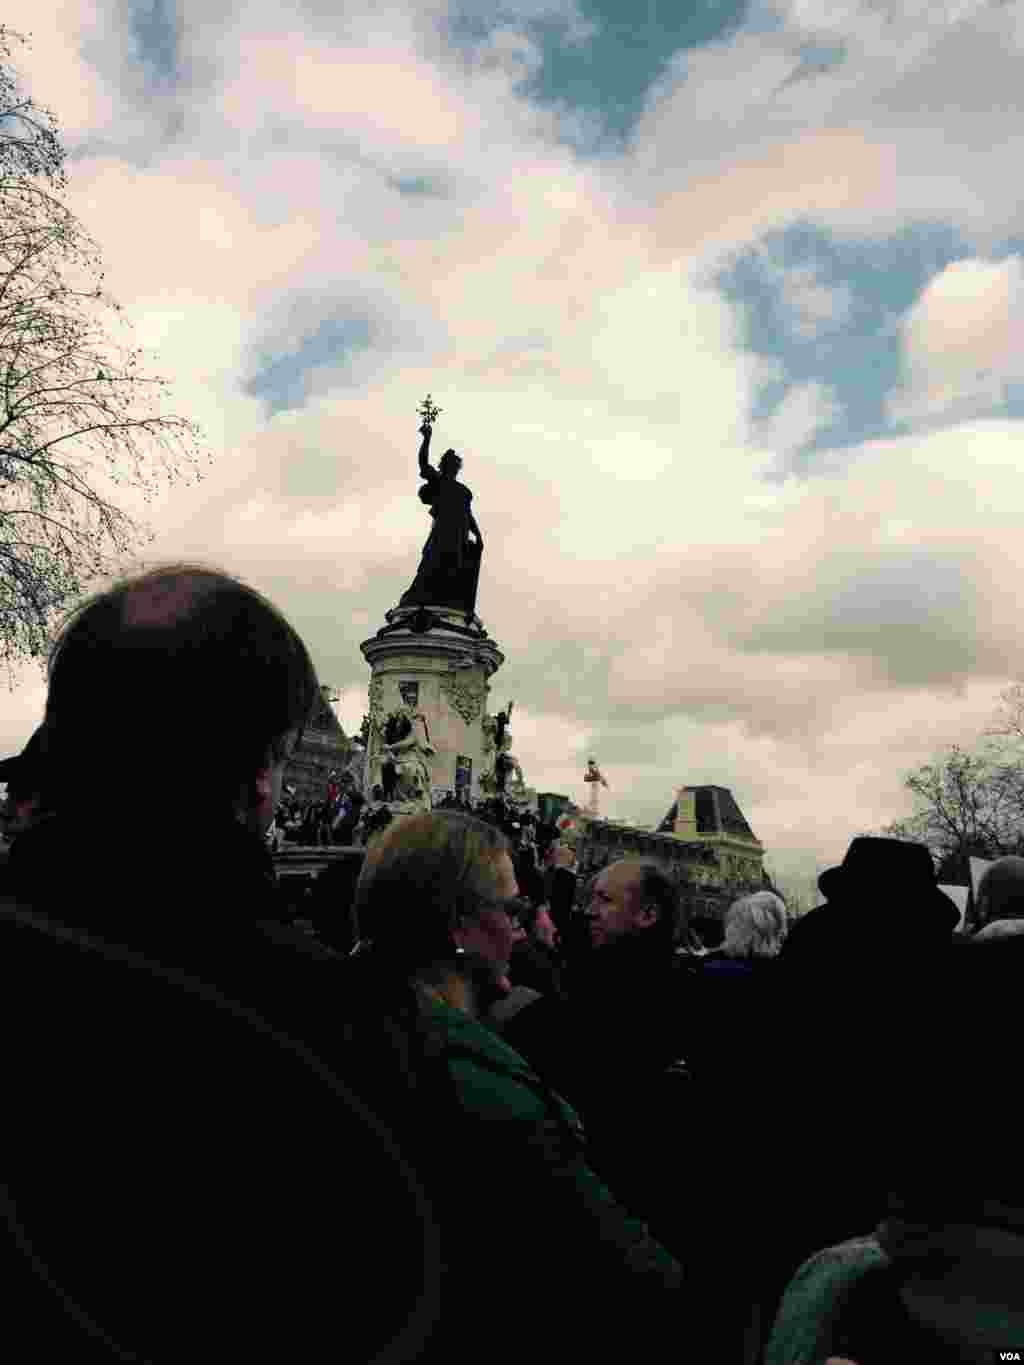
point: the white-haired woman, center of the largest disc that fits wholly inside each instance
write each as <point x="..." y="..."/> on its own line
<point x="733" y="1005"/>
<point x="755" y="926"/>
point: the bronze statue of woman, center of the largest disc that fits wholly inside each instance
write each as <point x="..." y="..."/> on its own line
<point x="450" y="565"/>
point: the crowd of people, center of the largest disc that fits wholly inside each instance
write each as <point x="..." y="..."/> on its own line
<point x="343" y="816"/>
<point x="485" y="1109"/>
<point x="318" y="822"/>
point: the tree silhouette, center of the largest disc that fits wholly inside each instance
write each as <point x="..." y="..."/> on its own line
<point x="77" y="419"/>
<point x="966" y="805"/>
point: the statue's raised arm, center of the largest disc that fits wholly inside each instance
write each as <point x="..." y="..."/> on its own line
<point x="427" y="470"/>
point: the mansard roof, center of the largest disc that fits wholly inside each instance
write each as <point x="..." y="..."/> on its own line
<point x="717" y="813"/>
<point x="323" y="720"/>
<point x="324" y="746"/>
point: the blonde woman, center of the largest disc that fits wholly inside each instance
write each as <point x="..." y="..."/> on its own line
<point x="504" y="1156"/>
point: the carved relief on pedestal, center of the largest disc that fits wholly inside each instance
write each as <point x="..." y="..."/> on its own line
<point x="375" y="737"/>
<point x="464" y="695"/>
<point x="407" y="752"/>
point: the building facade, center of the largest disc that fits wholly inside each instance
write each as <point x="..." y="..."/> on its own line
<point x="704" y="840"/>
<point x="324" y="747"/>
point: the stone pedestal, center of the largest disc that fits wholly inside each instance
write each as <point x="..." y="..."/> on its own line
<point x="439" y="661"/>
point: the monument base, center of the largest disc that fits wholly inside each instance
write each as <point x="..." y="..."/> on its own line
<point x="437" y="662"/>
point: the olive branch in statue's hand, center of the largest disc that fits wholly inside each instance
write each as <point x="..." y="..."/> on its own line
<point x="429" y="413"/>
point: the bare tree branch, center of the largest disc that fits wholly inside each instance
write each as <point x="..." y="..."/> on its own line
<point x="966" y="805"/>
<point x="68" y="384"/>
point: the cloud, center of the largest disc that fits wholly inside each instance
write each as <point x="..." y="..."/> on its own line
<point x="51" y="67"/>
<point x="657" y="598"/>
<point x="963" y="338"/>
<point x="803" y="412"/>
<point x="910" y="117"/>
<point x="380" y="98"/>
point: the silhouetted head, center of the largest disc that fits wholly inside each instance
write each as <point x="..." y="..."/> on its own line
<point x="167" y="655"/>
<point x="1001" y="892"/>
<point x="450" y="464"/>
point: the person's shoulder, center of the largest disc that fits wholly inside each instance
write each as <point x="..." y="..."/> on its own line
<point x="466" y="1035"/>
<point x="812" y="918"/>
<point x="519" y="998"/>
<point x="301" y="946"/>
<point x="824" y="921"/>
<point x="492" y="1080"/>
<point x="813" y="1299"/>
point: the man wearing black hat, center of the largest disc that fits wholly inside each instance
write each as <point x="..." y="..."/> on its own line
<point x="883" y="898"/>
<point x="940" y="1279"/>
<point x="858" y="982"/>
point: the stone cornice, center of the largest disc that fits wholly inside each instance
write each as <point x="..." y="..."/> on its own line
<point x="422" y="619"/>
<point x="439" y="642"/>
<point x="739" y="842"/>
<point x="694" y="850"/>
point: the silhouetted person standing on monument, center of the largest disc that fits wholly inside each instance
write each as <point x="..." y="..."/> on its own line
<point x="450" y="567"/>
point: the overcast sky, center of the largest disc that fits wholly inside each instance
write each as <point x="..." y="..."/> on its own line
<point x="723" y="305"/>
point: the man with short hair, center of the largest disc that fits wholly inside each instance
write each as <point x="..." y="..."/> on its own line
<point x="630" y="898"/>
<point x="174" y="1036"/>
<point x="610" y="1049"/>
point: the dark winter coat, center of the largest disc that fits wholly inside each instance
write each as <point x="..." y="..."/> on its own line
<point x="559" y="888"/>
<point x="609" y="1051"/>
<point x="941" y="1277"/>
<point x="180" y="1145"/>
<point x="734" y="1054"/>
<point x="536" y="965"/>
<point x="510" y="1174"/>
<point x="858" y="986"/>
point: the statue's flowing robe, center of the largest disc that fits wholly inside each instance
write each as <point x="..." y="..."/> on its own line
<point x="450" y="564"/>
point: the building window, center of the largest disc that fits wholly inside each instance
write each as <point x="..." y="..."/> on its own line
<point x="409" y="692"/>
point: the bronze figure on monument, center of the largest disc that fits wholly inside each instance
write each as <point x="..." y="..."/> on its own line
<point x="503" y="762"/>
<point x="449" y="569"/>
